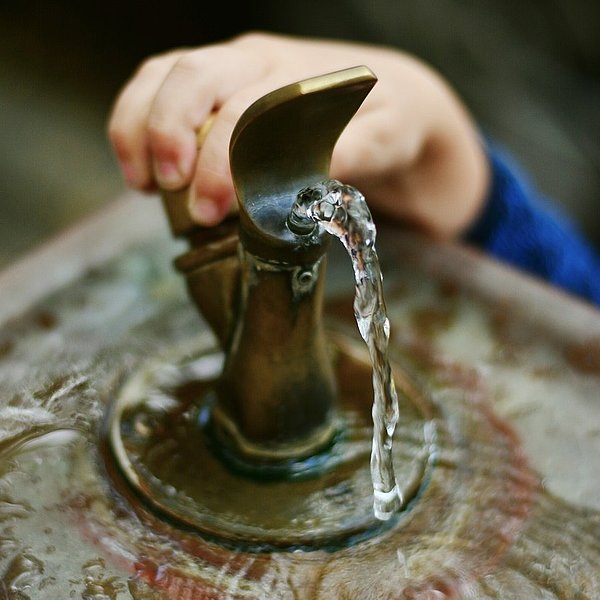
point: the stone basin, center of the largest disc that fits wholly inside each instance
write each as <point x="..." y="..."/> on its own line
<point x="509" y="368"/>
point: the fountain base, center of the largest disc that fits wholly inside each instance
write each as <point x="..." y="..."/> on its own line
<point x="160" y="433"/>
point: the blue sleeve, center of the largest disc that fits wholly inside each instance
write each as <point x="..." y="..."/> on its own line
<point x="522" y="228"/>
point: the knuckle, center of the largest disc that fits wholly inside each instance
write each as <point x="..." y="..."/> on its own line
<point x="162" y="138"/>
<point x="159" y="133"/>
<point x="156" y="63"/>
<point x="150" y="65"/>
<point x="253" y="38"/>
<point x="189" y="63"/>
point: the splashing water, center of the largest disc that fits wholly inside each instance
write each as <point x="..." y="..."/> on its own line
<point x="343" y="212"/>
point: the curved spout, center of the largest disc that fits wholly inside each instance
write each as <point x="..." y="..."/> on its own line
<point x="283" y="143"/>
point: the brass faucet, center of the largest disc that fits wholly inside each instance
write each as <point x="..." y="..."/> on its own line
<point x="259" y="283"/>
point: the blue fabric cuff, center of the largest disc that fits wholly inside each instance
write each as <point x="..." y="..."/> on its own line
<point x="519" y="226"/>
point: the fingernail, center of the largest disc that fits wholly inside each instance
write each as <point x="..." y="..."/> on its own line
<point x="204" y="211"/>
<point x="168" y="174"/>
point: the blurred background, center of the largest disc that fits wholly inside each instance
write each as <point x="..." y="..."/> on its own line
<point x="529" y="71"/>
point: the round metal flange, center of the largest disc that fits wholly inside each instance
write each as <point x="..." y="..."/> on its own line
<point x="160" y="435"/>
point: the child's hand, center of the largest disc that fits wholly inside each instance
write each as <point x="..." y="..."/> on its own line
<point x="411" y="149"/>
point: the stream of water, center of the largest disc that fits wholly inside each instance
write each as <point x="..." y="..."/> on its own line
<point x="343" y="212"/>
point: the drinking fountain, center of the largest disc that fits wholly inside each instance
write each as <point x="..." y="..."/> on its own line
<point x="279" y="407"/>
<point x="152" y="447"/>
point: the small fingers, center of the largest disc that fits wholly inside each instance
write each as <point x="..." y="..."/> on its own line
<point x="127" y="125"/>
<point x="154" y="123"/>
<point x="212" y="193"/>
<point x="186" y="97"/>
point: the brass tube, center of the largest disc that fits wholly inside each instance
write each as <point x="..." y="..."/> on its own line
<point x="277" y="392"/>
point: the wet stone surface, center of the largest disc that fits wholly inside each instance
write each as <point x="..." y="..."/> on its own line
<point x="511" y="508"/>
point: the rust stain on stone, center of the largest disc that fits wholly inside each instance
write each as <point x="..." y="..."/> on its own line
<point x="6" y="347"/>
<point x="45" y="319"/>
<point x="449" y="289"/>
<point x="430" y="320"/>
<point x="585" y="356"/>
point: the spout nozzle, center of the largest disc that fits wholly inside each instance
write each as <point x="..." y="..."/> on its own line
<point x="298" y="221"/>
<point x="282" y="144"/>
